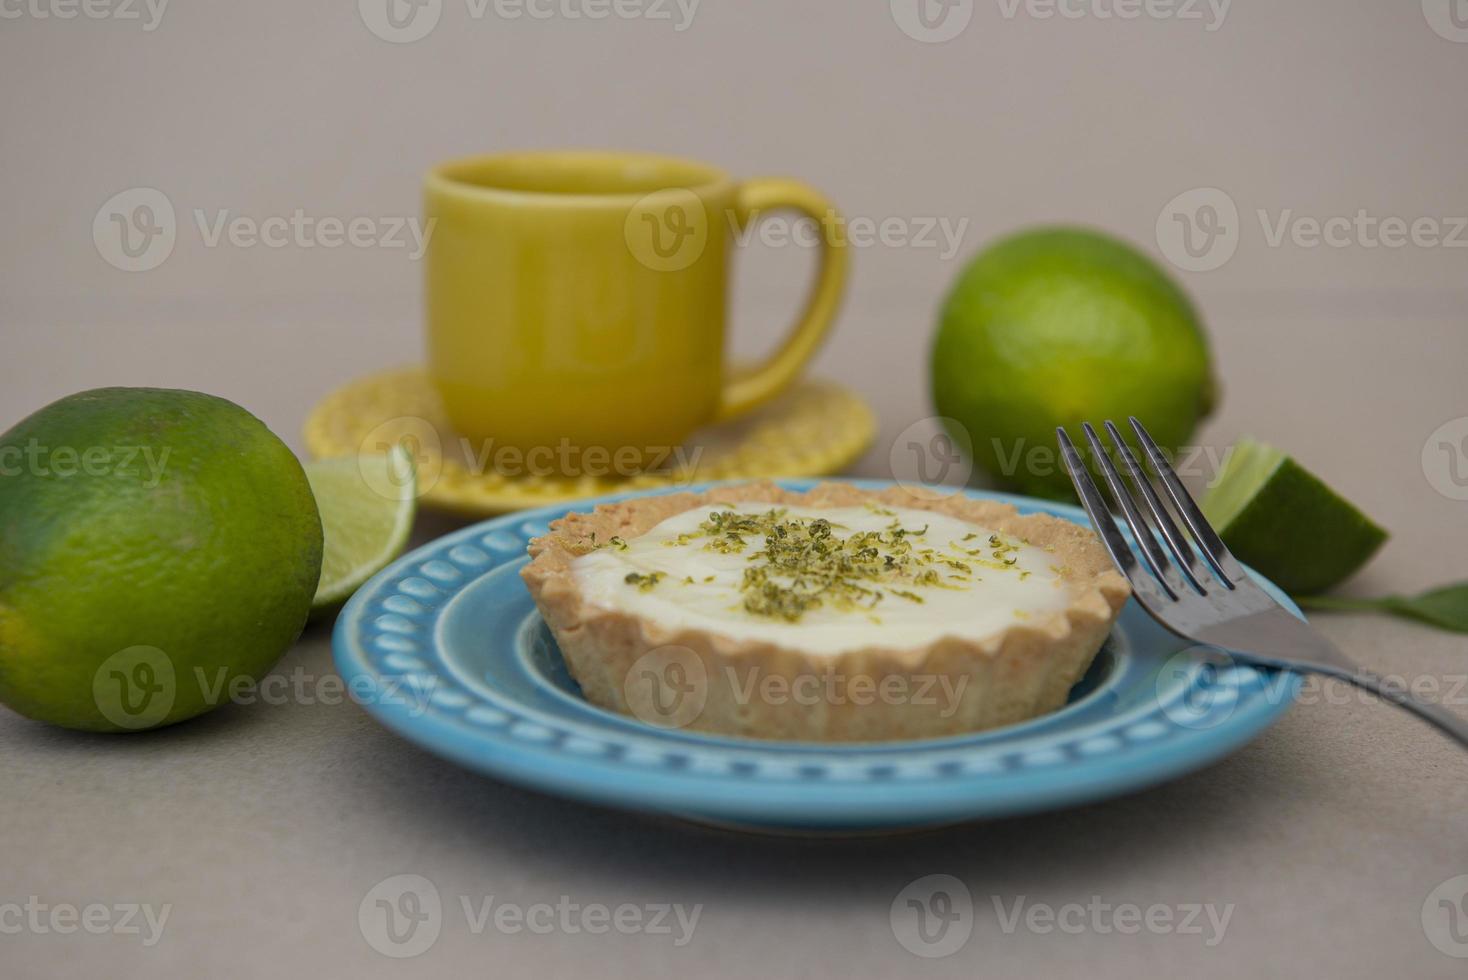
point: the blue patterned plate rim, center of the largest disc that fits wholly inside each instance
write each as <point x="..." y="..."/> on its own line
<point x="395" y="637"/>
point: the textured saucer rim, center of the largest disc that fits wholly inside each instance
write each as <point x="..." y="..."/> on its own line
<point x="773" y="451"/>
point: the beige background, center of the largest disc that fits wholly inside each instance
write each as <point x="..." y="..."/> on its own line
<point x="265" y="826"/>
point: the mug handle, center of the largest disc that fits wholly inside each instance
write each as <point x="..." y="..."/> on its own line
<point x="749" y="389"/>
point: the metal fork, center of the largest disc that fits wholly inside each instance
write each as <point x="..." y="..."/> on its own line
<point x="1204" y="595"/>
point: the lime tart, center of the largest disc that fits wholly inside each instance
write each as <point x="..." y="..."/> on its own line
<point x="838" y="614"/>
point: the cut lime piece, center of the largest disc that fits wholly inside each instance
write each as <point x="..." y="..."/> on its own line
<point x="1278" y="517"/>
<point x="367" y="505"/>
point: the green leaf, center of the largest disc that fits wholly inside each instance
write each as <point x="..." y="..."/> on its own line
<point x="1445" y="607"/>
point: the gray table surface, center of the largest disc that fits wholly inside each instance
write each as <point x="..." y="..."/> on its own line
<point x="262" y="828"/>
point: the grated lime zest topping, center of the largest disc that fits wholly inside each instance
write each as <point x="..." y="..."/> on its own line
<point x="807" y="563"/>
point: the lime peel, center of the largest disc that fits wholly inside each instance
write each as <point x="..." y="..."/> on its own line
<point x="1285" y="522"/>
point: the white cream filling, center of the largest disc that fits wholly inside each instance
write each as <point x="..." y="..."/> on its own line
<point x="699" y="587"/>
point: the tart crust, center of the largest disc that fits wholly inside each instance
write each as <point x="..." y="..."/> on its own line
<point x="1018" y="673"/>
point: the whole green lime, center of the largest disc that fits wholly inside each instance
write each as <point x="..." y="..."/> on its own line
<point x="158" y="551"/>
<point x="1058" y="326"/>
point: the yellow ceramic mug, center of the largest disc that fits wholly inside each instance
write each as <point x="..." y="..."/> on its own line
<point x="578" y="298"/>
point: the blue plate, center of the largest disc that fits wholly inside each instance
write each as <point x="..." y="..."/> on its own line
<point x="446" y="648"/>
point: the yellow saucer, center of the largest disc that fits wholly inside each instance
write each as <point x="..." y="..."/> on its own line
<point x="816" y="429"/>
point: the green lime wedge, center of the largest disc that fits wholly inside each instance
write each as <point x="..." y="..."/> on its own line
<point x="1280" y="518"/>
<point x="367" y="505"/>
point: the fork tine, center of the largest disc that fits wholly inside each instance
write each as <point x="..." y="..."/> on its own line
<point x="1177" y="545"/>
<point x="1152" y="552"/>
<point x="1096" y="509"/>
<point x="1225" y="565"/>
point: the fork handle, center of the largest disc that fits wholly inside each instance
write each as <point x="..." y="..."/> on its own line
<point x="1429" y="711"/>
